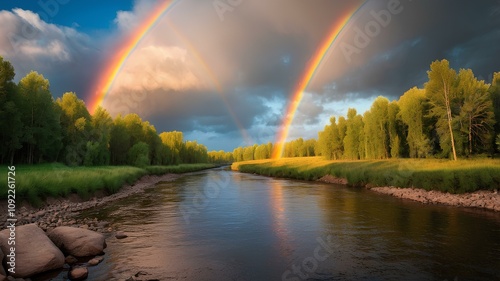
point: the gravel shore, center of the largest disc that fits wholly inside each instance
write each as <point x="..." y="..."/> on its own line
<point x="479" y="199"/>
<point x="62" y="211"/>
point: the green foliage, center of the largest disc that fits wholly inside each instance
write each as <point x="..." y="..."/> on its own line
<point x="376" y="132"/>
<point x="498" y="142"/>
<point x="40" y="117"/>
<point x="353" y="139"/>
<point x="412" y="108"/>
<point x="11" y="127"/>
<point x="494" y="91"/>
<point x="220" y="157"/>
<point x="443" y="98"/>
<point x="138" y="155"/>
<point x="75" y="124"/>
<point x="174" y="142"/>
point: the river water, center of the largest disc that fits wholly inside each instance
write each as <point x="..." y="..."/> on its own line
<point x="222" y="225"/>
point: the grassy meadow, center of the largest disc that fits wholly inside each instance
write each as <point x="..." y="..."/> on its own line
<point x="430" y="174"/>
<point x="37" y="182"/>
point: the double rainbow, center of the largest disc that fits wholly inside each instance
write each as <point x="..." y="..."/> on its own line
<point x="307" y="76"/>
<point x="113" y="68"/>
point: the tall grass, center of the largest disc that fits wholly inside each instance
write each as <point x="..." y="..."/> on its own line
<point x="430" y="174"/>
<point x="35" y="183"/>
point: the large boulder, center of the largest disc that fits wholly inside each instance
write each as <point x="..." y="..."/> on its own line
<point x="34" y="252"/>
<point x="78" y="242"/>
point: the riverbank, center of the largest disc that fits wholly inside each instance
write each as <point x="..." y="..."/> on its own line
<point x="461" y="183"/>
<point x="35" y="183"/>
<point x="62" y="211"/>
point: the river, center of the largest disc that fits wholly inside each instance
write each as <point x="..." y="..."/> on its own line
<point x="223" y="225"/>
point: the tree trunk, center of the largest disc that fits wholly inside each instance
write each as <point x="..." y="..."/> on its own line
<point x="470" y="134"/>
<point x="448" y="111"/>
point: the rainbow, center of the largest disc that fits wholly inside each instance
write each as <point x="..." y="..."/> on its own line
<point x="113" y="67"/>
<point x="310" y="71"/>
<point x="187" y="43"/>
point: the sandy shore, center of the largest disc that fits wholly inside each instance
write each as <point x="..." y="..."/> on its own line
<point x="479" y="199"/>
<point x="62" y="211"/>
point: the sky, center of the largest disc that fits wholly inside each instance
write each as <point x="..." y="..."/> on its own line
<point x="224" y="71"/>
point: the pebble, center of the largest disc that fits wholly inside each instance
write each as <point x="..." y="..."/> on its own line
<point x="78" y="273"/>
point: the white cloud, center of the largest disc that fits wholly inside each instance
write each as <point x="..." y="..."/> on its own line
<point x="154" y="68"/>
<point x="63" y="55"/>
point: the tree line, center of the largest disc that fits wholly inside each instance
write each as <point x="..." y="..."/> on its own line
<point x="454" y="115"/>
<point x="37" y="128"/>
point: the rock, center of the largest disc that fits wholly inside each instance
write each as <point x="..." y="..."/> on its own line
<point x="103" y="224"/>
<point x="2" y="270"/>
<point x="121" y="235"/>
<point x="78" y="273"/>
<point x="141" y="273"/>
<point x="40" y="214"/>
<point x="71" y="260"/>
<point x="78" y="242"/>
<point x="96" y="260"/>
<point x="35" y="252"/>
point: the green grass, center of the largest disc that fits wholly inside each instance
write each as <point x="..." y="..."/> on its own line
<point x="178" y="169"/>
<point x="35" y="183"/>
<point x="430" y="174"/>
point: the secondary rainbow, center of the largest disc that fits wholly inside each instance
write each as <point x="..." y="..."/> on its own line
<point x="306" y="78"/>
<point x="196" y="54"/>
<point x="113" y="67"/>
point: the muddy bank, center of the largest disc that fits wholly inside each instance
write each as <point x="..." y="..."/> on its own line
<point x="62" y="211"/>
<point x="479" y="199"/>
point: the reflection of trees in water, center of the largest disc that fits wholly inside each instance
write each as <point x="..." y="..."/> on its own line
<point x="374" y="230"/>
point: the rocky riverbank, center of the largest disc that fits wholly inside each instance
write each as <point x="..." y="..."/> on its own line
<point x="52" y="237"/>
<point x="479" y="199"/>
<point x="34" y="251"/>
<point x="63" y="211"/>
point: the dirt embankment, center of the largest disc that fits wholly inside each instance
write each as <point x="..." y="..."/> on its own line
<point x="478" y="199"/>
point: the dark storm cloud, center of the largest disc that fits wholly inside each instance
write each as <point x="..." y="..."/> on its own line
<point x="464" y="32"/>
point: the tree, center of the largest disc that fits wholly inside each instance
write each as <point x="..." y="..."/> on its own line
<point x="119" y="143"/>
<point x="439" y="90"/>
<point x="498" y="142"/>
<point x="248" y="153"/>
<point x="326" y="145"/>
<point x="11" y="127"/>
<point x="394" y="128"/>
<point x="76" y="129"/>
<point x="238" y="154"/>
<point x="476" y="116"/>
<point x="494" y="91"/>
<point x="138" y="155"/>
<point x="353" y="135"/>
<point x="101" y="124"/>
<point x="40" y="118"/>
<point x="411" y="112"/>
<point x="174" y="141"/>
<point x="375" y="129"/>
<point x="262" y="152"/>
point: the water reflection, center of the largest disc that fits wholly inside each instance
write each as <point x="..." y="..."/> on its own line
<point x="256" y="228"/>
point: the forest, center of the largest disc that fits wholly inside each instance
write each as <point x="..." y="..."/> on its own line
<point x="36" y="128"/>
<point x="455" y="115"/>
